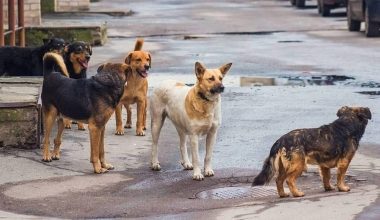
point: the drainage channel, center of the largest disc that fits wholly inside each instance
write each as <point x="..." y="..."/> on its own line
<point x="234" y="192"/>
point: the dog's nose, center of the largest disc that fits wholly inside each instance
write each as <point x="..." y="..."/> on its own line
<point x="221" y="88"/>
<point x="146" y="66"/>
<point x="88" y="56"/>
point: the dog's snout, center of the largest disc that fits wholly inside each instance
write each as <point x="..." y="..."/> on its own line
<point x="146" y="66"/>
<point x="88" y="56"/>
<point x="221" y="88"/>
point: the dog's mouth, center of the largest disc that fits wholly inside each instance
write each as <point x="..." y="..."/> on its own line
<point x="217" y="90"/>
<point x="143" y="73"/>
<point x="83" y="63"/>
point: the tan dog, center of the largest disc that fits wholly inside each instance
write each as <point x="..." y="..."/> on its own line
<point x="195" y="111"/>
<point x="135" y="91"/>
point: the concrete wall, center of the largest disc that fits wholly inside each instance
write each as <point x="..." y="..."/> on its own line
<point x="32" y="12"/>
<point x="72" y="5"/>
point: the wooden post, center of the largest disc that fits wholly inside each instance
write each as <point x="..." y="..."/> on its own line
<point x="12" y="22"/>
<point x="1" y="24"/>
<point x="21" y="23"/>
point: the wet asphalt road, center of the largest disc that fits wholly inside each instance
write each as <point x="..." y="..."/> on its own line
<point x="260" y="38"/>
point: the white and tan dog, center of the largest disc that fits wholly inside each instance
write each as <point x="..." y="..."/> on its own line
<point x="194" y="111"/>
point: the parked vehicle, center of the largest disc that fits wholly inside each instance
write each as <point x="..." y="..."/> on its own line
<point x="325" y="6"/>
<point x="298" y="3"/>
<point x="367" y="11"/>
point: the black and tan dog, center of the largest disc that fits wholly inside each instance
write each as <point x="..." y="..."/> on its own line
<point x="27" y="61"/>
<point x="329" y="146"/>
<point x="91" y="101"/>
<point x="76" y="56"/>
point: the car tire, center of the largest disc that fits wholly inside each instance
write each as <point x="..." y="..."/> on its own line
<point x="293" y="2"/>
<point x="353" y="25"/>
<point x="300" y="3"/>
<point x="319" y="7"/>
<point x="325" y="10"/>
<point x="372" y="29"/>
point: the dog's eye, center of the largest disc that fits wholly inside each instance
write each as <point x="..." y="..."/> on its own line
<point x="211" y="78"/>
<point x="220" y="78"/>
<point x="138" y="60"/>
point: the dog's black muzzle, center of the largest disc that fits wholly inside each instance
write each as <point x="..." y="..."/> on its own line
<point x="217" y="89"/>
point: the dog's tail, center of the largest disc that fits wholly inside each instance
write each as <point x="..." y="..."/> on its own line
<point x="269" y="167"/>
<point x="139" y="44"/>
<point x="51" y="62"/>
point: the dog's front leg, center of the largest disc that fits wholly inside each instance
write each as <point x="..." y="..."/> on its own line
<point x="95" y="137"/>
<point x="140" y="117"/>
<point x="341" y="173"/>
<point x="58" y="140"/>
<point x="210" y="142"/>
<point x="119" y="120"/>
<point x="197" y="174"/>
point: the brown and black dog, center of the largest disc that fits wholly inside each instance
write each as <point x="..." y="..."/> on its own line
<point x="91" y="101"/>
<point x="76" y="57"/>
<point x="136" y="90"/>
<point x="329" y="146"/>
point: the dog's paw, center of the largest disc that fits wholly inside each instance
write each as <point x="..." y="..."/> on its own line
<point x="46" y="159"/>
<point x="140" y="133"/>
<point x="344" y="188"/>
<point x="329" y="188"/>
<point x="187" y="165"/>
<point x="155" y="166"/>
<point x="284" y="195"/>
<point x="81" y="127"/>
<point x="100" y="171"/>
<point x="67" y="126"/>
<point x="198" y="176"/>
<point x="128" y="125"/>
<point x="298" y="194"/>
<point x="55" y="156"/>
<point x="107" y="166"/>
<point x="209" y="172"/>
<point x="119" y="132"/>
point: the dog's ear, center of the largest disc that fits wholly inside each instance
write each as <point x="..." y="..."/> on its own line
<point x="199" y="70"/>
<point x="100" y="68"/>
<point x="343" y="110"/>
<point x="128" y="59"/>
<point x="89" y="49"/>
<point x="365" y="113"/>
<point x="224" y="69"/>
<point x="66" y="49"/>
<point x="127" y="69"/>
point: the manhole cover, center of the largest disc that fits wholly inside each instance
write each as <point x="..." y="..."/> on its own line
<point x="237" y="192"/>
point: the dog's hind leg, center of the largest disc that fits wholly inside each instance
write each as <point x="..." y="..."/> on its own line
<point x="197" y="174"/>
<point x="49" y="118"/>
<point x="157" y="121"/>
<point x="95" y="138"/>
<point x="326" y="176"/>
<point x="144" y="116"/>
<point x="119" y="120"/>
<point x="294" y="169"/>
<point x="128" y="123"/>
<point x="67" y="123"/>
<point x="101" y="153"/>
<point x="210" y="142"/>
<point x="81" y="126"/>
<point x="185" y="162"/>
<point x="58" y="140"/>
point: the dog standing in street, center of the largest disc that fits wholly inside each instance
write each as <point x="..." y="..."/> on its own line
<point x="329" y="146"/>
<point x="136" y="90"/>
<point x="195" y="111"/>
<point x="91" y="101"/>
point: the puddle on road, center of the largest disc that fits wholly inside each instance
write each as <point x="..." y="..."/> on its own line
<point x="237" y="192"/>
<point x="369" y="92"/>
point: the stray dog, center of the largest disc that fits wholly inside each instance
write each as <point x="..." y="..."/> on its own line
<point x="329" y="146"/>
<point x="135" y="91"/>
<point x="194" y="111"/>
<point x="27" y="61"/>
<point x="77" y="55"/>
<point x="91" y="101"/>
